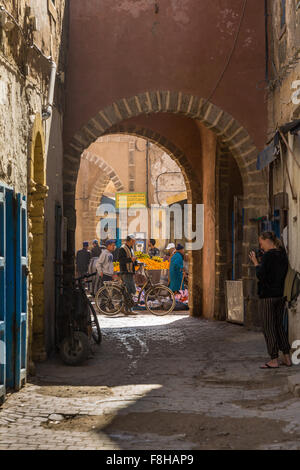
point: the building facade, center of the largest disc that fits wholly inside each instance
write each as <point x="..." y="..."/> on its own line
<point x="31" y="109"/>
<point x="283" y="173"/>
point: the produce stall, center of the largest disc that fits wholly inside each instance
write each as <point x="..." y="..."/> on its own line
<point x="154" y="266"/>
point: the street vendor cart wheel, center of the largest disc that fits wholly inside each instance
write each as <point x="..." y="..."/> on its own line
<point x="160" y="300"/>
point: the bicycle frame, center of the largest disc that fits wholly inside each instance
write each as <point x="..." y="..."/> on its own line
<point x="146" y="287"/>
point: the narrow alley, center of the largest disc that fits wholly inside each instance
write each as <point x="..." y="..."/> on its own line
<point x="158" y="383"/>
<point x="149" y="182"/>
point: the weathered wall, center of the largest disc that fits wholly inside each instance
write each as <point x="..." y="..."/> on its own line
<point x="24" y="82"/>
<point x="285" y="55"/>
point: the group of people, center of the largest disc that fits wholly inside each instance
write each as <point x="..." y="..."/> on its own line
<point x="101" y="258"/>
<point x="271" y="271"/>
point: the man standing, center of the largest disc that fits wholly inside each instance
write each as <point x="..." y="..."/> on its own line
<point x="176" y="269"/>
<point x="96" y="250"/>
<point x="153" y="251"/>
<point x="127" y="262"/>
<point x="105" y="263"/>
<point x="83" y="259"/>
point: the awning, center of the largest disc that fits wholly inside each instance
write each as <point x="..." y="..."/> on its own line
<point x="269" y="154"/>
<point x="292" y="127"/>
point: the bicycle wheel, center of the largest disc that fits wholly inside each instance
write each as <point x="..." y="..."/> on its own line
<point x="160" y="300"/>
<point x="96" y="331"/>
<point x="109" y="300"/>
<point x="74" y="352"/>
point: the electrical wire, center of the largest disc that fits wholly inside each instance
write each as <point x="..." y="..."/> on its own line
<point x="243" y="11"/>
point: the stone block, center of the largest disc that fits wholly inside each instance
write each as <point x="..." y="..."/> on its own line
<point x="294" y="385"/>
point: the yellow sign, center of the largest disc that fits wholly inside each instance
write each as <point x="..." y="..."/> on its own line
<point x="127" y="200"/>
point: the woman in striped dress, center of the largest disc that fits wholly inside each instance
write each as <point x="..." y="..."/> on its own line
<point x="271" y="274"/>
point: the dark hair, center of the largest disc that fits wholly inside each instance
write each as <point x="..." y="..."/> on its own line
<point x="273" y="238"/>
<point x="152" y="241"/>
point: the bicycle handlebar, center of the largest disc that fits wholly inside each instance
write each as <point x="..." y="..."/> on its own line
<point x="86" y="276"/>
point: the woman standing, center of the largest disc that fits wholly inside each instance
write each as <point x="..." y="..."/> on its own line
<point x="271" y="273"/>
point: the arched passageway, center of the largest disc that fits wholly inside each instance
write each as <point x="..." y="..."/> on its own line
<point x="94" y="176"/>
<point x="213" y="130"/>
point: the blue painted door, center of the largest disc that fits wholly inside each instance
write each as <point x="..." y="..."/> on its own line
<point x="2" y="294"/>
<point x="13" y="289"/>
<point x="21" y="292"/>
<point x="10" y="272"/>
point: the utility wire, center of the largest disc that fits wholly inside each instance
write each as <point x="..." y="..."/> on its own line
<point x="243" y="11"/>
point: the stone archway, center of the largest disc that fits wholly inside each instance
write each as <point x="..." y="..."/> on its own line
<point x="103" y="173"/>
<point x="226" y="129"/>
<point x="36" y="200"/>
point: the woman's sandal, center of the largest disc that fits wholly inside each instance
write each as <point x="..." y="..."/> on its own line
<point x="266" y="366"/>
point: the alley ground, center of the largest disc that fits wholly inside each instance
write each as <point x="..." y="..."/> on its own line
<point x="158" y="383"/>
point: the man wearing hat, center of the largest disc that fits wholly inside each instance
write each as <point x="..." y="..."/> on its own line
<point x="105" y="263"/>
<point x="96" y="250"/>
<point x="127" y="262"/>
<point x="176" y="269"/>
<point x="170" y="250"/>
<point x="83" y="259"/>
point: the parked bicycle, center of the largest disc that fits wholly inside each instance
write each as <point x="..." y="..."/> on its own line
<point x="83" y="324"/>
<point x="113" y="297"/>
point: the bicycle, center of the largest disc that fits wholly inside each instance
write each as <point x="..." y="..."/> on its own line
<point x="113" y="297"/>
<point x="83" y="325"/>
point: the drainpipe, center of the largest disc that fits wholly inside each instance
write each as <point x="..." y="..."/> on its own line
<point x="47" y="111"/>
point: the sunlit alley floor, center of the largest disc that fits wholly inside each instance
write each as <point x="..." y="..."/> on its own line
<point x="158" y="383"/>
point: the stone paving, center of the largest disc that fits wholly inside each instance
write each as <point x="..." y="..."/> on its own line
<point x="158" y="383"/>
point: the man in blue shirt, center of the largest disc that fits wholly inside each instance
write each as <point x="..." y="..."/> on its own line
<point x="176" y="269"/>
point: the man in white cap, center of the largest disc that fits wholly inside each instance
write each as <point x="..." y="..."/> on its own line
<point x="170" y="250"/>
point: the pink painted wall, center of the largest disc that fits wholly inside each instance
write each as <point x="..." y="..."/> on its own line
<point x="119" y="48"/>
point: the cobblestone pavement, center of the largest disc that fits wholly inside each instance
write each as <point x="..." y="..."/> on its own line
<point x="158" y="383"/>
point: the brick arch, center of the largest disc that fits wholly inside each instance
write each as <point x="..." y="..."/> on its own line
<point x="167" y="146"/>
<point x="229" y="131"/>
<point x="104" y="167"/>
<point x="105" y="174"/>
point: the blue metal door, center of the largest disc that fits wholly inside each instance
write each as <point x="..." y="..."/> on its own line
<point x="10" y="271"/>
<point x="2" y="294"/>
<point x="21" y="292"/>
<point x="13" y="289"/>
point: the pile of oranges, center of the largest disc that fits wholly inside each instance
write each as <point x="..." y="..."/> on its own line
<point x="150" y="264"/>
<point x="155" y="264"/>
